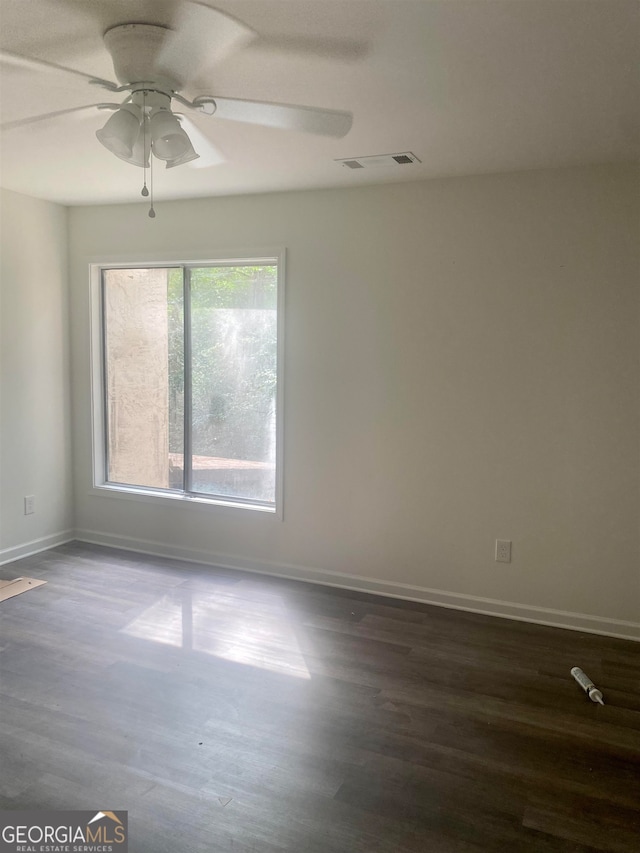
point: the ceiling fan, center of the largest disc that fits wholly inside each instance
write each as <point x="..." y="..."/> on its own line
<point x="154" y="65"/>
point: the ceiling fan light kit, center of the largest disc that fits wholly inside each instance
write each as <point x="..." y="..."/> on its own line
<point x="147" y="114"/>
<point x="154" y="64"/>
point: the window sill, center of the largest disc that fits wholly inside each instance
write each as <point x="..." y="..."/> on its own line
<point x="159" y="498"/>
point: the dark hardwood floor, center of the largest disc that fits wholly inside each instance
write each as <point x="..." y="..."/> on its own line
<point x="232" y="712"/>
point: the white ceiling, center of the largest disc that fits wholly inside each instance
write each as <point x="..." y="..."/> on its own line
<point x="469" y="86"/>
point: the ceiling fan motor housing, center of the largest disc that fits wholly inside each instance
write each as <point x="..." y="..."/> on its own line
<point x="135" y="51"/>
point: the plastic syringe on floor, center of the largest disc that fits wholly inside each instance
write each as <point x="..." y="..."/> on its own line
<point x="587" y="685"/>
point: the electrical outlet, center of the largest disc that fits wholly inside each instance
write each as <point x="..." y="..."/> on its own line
<point x="29" y="504"/>
<point x="503" y="550"/>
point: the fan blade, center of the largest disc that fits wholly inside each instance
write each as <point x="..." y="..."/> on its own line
<point x="41" y="65"/>
<point x="285" y="116"/>
<point x="202" y="37"/>
<point x="23" y="122"/>
<point x="209" y="154"/>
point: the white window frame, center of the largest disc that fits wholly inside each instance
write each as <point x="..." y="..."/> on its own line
<point x="100" y="486"/>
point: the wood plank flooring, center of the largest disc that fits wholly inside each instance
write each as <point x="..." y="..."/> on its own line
<point x="233" y="713"/>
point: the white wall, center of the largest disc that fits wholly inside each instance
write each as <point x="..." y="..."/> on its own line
<point x="35" y="408"/>
<point x="462" y="364"/>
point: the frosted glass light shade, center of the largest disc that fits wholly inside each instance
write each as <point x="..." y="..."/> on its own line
<point x="142" y="148"/>
<point x="168" y="139"/>
<point x="189" y="154"/>
<point x="120" y="133"/>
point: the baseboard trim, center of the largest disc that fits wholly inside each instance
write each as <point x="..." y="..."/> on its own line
<point x="440" y="598"/>
<point x="35" y="546"/>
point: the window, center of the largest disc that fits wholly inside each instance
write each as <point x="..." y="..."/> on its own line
<point x="190" y="398"/>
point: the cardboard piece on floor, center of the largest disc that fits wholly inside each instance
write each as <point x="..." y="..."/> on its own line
<point x="14" y="587"/>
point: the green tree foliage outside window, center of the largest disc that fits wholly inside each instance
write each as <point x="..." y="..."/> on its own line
<point x="233" y="363"/>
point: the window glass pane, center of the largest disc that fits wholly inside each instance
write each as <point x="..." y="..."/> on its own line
<point x="175" y="322"/>
<point x="143" y="339"/>
<point x="233" y="370"/>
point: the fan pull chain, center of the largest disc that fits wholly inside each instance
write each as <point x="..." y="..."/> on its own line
<point x="152" y="213"/>
<point x="145" y="191"/>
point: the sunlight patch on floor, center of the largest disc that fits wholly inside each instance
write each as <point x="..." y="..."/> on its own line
<point x="224" y="625"/>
